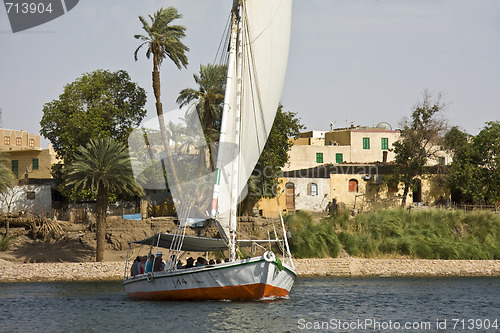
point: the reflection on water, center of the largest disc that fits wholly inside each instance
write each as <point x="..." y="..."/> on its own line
<point x="104" y="306"/>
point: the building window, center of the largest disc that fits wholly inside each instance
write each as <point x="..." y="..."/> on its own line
<point x="441" y="160"/>
<point x="319" y="157"/>
<point x="385" y="143"/>
<point x="15" y="168"/>
<point x="35" y="164"/>
<point x="30" y="195"/>
<point x="6" y="140"/>
<point x="32" y="143"/>
<point x="366" y="143"/>
<point x="312" y="189"/>
<point x="19" y="141"/>
<point x="339" y="158"/>
<point x="353" y="185"/>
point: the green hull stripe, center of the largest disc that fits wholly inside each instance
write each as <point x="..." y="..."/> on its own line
<point x="217" y="176"/>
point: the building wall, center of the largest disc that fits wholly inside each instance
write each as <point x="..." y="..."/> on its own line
<point x="304" y="199"/>
<point x="341" y="138"/>
<point x="35" y="199"/>
<point x="348" y="142"/>
<point x="24" y="153"/>
<point x="28" y="159"/>
<point x="373" y="194"/>
<point x="303" y="157"/>
<point x="17" y="140"/>
<point x="375" y="152"/>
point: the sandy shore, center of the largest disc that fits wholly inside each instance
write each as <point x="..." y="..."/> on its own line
<point x="354" y="267"/>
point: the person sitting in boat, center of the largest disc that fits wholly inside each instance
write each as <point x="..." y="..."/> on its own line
<point x="189" y="263"/>
<point x="135" y="269"/>
<point x="149" y="264"/>
<point x="179" y="264"/>
<point x="211" y="262"/>
<point x="218" y="261"/>
<point x="142" y="266"/>
<point x="200" y="262"/>
<point x="158" y="264"/>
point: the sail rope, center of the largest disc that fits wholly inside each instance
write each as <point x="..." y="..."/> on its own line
<point x="222" y="54"/>
<point x="178" y="238"/>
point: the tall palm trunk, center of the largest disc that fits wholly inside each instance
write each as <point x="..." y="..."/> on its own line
<point x="161" y="120"/>
<point x="101" y="207"/>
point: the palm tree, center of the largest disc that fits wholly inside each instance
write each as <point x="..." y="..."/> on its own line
<point x="103" y="166"/>
<point x="207" y="100"/>
<point x="163" y="40"/>
<point x="7" y="178"/>
<point x="7" y="181"/>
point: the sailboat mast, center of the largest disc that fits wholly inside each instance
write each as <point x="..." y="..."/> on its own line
<point x="227" y="125"/>
<point x="235" y="190"/>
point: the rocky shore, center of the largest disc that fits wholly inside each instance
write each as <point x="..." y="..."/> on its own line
<point x="353" y="267"/>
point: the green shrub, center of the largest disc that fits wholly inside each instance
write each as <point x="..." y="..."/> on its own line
<point x="426" y="234"/>
<point x="350" y="243"/>
<point x="429" y="234"/>
<point x="312" y="239"/>
<point x="5" y="242"/>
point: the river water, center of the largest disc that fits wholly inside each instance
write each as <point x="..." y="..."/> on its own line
<point x="315" y="304"/>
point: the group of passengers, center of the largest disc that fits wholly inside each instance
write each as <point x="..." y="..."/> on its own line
<point x="144" y="265"/>
<point x="199" y="262"/>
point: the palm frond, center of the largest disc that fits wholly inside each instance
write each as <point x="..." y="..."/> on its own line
<point x="164" y="39"/>
<point x="102" y="163"/>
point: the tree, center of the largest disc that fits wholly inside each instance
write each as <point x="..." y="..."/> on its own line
<point x="487" y="146"/>
<point x="420" y="139"/>
<point x="7" y="178"/>
<point x="264" y="182"/>
<point x="163" y="39"/>
<point x="464" y="171"/>
<point x="103" y="167"/>
<point x="474" y="175"/>
<point x="207" y="101"/>
<point x="7" y="193"/>
<point x="98" y="104"/>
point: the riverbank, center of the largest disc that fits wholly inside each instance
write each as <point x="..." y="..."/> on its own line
<point x="335" y="267"/>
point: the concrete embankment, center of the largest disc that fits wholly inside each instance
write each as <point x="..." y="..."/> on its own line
<point x="354" y="267"/>
<point x="396" y="267"/>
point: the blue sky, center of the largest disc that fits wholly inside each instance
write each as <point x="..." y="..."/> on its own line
<point x="351" y="61"/>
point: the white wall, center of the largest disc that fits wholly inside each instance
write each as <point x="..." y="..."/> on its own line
<point x="316" y="203"/>
<point x="18" y="195"/>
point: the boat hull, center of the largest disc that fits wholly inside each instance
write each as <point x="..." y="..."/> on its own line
<point x="248" y="279"/>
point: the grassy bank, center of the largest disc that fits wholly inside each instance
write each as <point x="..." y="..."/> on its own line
<point x="429" y="234"/>
<point x="311" y="238"/>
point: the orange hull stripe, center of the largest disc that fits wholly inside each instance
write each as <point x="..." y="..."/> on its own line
<point x="250" y="291"/>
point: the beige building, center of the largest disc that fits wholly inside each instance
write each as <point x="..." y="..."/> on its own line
<point x="25" y="155"/>
<point x="343" y="145"/>
<point x="360" y="187"/>
<point x="349" y="167"/>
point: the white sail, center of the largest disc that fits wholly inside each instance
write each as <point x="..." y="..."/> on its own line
<point x="255" y="80"/>
<point x="256" y="71"/>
